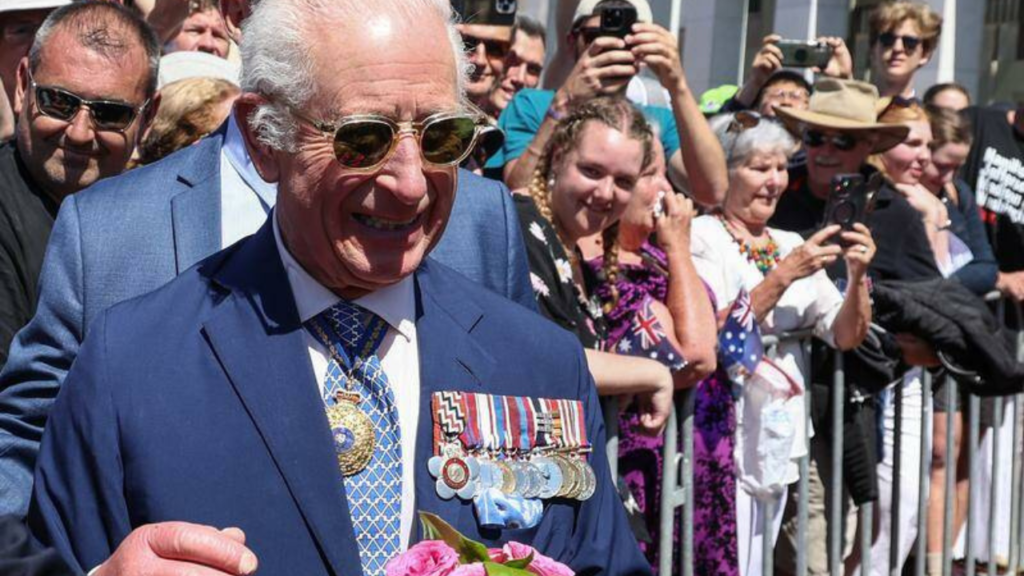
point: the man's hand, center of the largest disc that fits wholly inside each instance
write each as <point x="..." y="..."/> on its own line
<point x="605" y="68"/>
<point x="180" y="548"/>
<point x="165" y="16"/>
<point x="1011" y="284"/>
<point x="767" y="61"/>
<point x="840" y="65"/>
<point x="658" y="48"/>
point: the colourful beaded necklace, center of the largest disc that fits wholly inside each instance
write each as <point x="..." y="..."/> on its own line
<point x="765" y="257"/>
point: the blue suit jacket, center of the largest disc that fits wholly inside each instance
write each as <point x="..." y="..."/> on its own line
<point x="198" y="402"/>
<point x="129" y="235"/>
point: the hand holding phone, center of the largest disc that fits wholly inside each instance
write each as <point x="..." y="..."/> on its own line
<point x="803" y="54"/>
<point x="847" y="203"/>
<point x="617" y="19"/>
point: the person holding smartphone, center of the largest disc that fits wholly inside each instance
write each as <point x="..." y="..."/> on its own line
<point x="605" y="65"/>
<point x="776" y="82"/>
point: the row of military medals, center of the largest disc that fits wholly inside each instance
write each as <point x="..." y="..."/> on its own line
<point x="533" y="448"/>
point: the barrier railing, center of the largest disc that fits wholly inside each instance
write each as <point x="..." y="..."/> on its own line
<point x="677" y="478"/>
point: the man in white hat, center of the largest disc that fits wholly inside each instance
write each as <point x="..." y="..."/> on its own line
<point x="605" y="65"/>
<point x="19" y="20"/>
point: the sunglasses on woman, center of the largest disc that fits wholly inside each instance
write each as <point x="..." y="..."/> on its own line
<point x="910" y="43"/>
<point x="841" y="141"/>
<point x="365" y="142"/>
<point x="60" y="104"/>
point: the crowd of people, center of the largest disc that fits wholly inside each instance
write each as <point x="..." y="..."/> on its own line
<point x="245" y="324"/>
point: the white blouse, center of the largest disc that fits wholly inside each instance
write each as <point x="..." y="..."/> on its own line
<point x="811" y="302"/>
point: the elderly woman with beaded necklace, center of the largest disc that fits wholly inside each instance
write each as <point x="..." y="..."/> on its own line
<point x="580" y="188"/>
<point x="789" y="290"/>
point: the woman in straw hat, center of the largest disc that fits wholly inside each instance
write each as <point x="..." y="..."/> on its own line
<point x="736" y="250"/>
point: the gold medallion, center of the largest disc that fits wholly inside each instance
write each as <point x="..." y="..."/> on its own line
<point x="508" y="482"/>
<point x="570" y="476"/>
<point x="352" y="431"/>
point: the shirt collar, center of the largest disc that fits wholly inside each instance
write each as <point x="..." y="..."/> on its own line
<point x="237" y="154"/>
<point x="396" y="303"/>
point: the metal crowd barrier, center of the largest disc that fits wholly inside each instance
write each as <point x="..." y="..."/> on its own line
<point x="677" y="478"/>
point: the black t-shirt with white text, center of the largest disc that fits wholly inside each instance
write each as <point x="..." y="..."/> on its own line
<point x="995" y="170"/>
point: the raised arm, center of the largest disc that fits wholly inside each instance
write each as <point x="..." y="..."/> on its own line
<point x="699" y="164"/>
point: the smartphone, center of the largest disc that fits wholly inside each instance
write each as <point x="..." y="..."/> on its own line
<point x="847" y="203"/>
<point x="802" y="54"/>
<point x="617" y="19"/>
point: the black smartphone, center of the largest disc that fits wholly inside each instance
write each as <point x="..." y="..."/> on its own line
<point x="802" y="54"/>
<point x="847" y="203"/>
<point x="617" y="19"/>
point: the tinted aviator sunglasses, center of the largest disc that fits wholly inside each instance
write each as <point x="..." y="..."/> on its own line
<point x="365" y="142"/>
<point x="842" y="142"/>
<point x="910" y="43"/>
<point x="63" y="105"/>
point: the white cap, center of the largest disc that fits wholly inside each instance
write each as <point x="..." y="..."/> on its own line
<point x="585" y="9"/>
<point x="21" y="5"/>
<point x="181" y="65"/>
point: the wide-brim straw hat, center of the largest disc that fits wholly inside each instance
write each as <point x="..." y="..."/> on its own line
<point x="846" y="105"/>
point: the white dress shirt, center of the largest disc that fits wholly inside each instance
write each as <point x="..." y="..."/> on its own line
<point x="245" y="198"/>
<point x="398" y="353"/>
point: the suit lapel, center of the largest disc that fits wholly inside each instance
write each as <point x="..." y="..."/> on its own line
<point x="257" y="337"/>
<point x="195" y="212"/>
<point x="449" y="360"/>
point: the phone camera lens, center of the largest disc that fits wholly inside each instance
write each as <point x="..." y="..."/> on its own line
<point x="614" y="18"/>
<point x="800" y="55"/>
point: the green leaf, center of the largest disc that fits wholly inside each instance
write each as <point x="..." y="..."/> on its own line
<point x="434" y="528"/>
<point x="521" y="563"/>
<point x="495" y="569"/>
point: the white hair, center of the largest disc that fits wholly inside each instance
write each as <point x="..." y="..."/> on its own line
<point x="276" y="45"/>
<point x="767" y="136"/>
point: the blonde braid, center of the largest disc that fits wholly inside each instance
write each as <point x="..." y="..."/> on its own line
<point x="541" y="194"/>
<point x="610" y="239"/>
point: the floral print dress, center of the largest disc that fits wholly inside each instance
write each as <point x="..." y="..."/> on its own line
<point x="558" y="297"/>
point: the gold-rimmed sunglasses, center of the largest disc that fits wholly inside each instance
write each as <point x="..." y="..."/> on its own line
<point x="365" y="142"/>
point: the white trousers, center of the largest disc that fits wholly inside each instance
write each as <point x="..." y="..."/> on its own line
<point x="908" y="476"/>
<point x="982" y="490"/>
<point x="750" y="515"/>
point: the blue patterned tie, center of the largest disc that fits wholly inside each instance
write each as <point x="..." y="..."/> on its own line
<point x="374" y="494"/>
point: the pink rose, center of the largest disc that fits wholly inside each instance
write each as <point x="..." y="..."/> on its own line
<point x="474" y="569"/>
<point x="541" y="565"/>
<point x="427" y="558"/>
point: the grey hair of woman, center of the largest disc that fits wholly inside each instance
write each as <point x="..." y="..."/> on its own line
<point x="277" y="41"/>
<point x="740" y="144"/>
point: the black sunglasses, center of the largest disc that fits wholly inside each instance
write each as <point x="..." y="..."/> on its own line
<point x="62" y="105"/>
<point x="365" y="142"/>
<point x="842" y="142"/>
<point x="910" y="43"/>
<point x="495" y="49"/>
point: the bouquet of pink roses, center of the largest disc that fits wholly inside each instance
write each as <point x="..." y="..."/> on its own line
<point x="446" y="552"/>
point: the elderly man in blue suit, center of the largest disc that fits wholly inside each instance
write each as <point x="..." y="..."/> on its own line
<point x="128" y="235"/>
<point x="242" y="393"/>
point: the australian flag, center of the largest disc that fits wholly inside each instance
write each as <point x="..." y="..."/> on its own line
<point x="739" y="342"/>
<point x="646" y="338"/>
